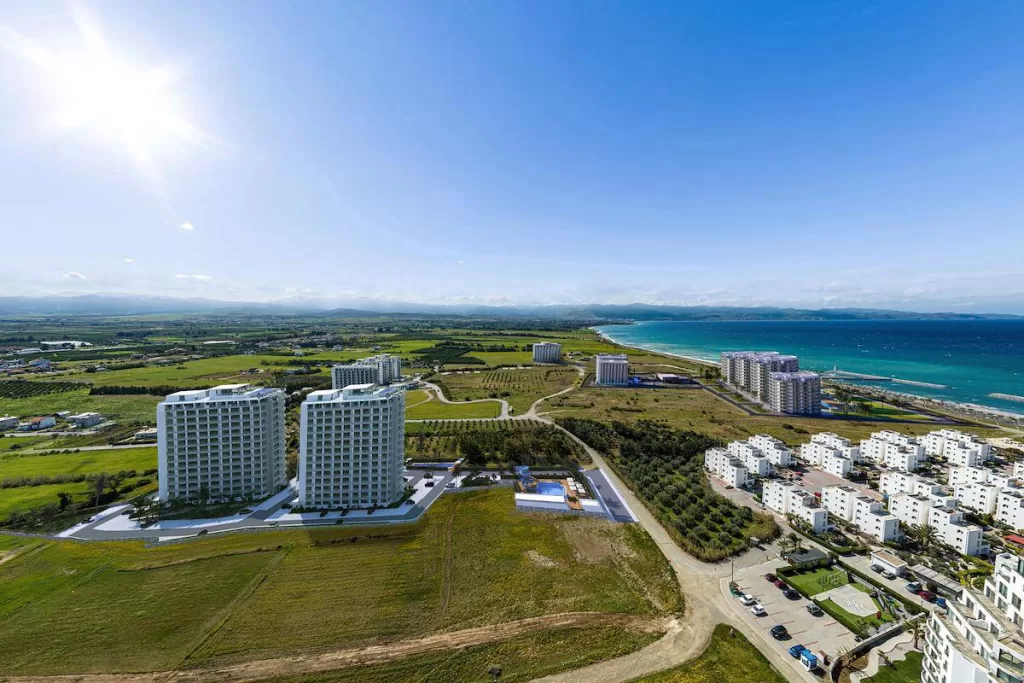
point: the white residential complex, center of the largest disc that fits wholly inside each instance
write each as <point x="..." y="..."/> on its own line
<point x="749" y="370"/>
<point x="352" y="447"/>
<point x="547" y="352"/>
<point x="379" y="369"/>
<point x="775" y="450"/>
<point x="795" y="393"/>
<point x="979" y="639"/>
<point x="830" y="453"/>
<point x="894" y="482"/>
<point x="862" y="511"/>
<point x="221" y="443"/>
<point x="726" y="467"/>
<point x="789" y="499"/>
<point x="894" y="450"/>
<point x="612" y="369"/>
<point x="956" y="447"/>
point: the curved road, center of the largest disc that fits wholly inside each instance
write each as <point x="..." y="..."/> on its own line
<point x="444" y="399"/>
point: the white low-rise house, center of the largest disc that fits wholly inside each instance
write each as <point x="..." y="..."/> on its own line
<point x="894" y="481"/>
<point x="952" y="444"/>
<point x="894" y="450"/>
<point x="979" y="497"/>
<point x="951" y="529"/>
<point x="547" y="352"/>
<point x="1018" y="470"/>
<point x="775" y="450"/>
<point x="85" y="420"/>
<point x="611" y="369"/>
<point x="978" y="638"/>
<point x="968" y="475"/>
<point x="40" y="422"/>
<point x="726" y="467"/>
<point x="837" y="465"/>
<point x="789" y="499"/>
<point x="8" y="422"/>
<point x="1010" y="508"/>
<point x="838" y="443"/>
<point x="864" y="512"/>
<point x="752" y="458"/>
<point x="911" y="509"/>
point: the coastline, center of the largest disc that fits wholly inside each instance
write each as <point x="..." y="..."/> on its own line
<point x="966" y="409"/>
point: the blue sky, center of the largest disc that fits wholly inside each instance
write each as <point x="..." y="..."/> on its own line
<point x="802" y="153"/>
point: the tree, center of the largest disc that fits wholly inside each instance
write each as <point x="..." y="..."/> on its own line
<point x="863" y="407"/>
<point x="923" y="534"/>
<point x="204" y="496"/>
<point x="64" y="500"/>
<point x="792" y="541"/>
<point x="844" y="395"/>
<point x="915" y="627"/>
<point x="99" y="485"/>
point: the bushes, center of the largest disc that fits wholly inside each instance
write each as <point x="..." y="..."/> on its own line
<point x="20" y="388"/>
<point x="664" y="466"/>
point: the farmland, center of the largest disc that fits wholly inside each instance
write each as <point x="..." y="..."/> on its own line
<point x="501" y="443"/>
<point x="520" y="387"/>
<point x="435" y="410"/>
<point x="473" y="560"/>
<point x="139" y="409"/>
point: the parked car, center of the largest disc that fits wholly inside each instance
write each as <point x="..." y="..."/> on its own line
<point x="927" y="595"/>
<point x="771" y="578"/>
<point x="877" y="568"/>
<point x="747" y="600"/>
<point x="889" y="575"/>
<point x="779" y="632"/>
<point x="940" y="602"/>
<point x="814" y="610"/>
<point x="430" y="484"/>
<point x="428" y="475"/>
<point x="797" y="650"/>
<point x="779" y="583"/>
<point x="913" y="587"/>
<point x="791" y="594"/>
<point x="757" y="610"/>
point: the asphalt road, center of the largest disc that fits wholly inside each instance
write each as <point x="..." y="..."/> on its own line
<point x="608" y="495"/>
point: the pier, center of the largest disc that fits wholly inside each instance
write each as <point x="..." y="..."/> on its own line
<point x="1007" y="397"/>
<point x="836" y="373"/>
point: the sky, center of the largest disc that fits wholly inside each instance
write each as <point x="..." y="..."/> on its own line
<point x="816" y="154"/>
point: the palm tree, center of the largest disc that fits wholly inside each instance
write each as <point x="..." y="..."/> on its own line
<point x="914" y="628"/>
<point x="844" y="395"/>
<point x="923" y="534"/>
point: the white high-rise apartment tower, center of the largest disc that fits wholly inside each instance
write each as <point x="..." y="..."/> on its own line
<point x="226" y="442"/>
<point x="797" y="393"/>
<point x="547" y="352"/>
<point x="380" y="369"/>
<point x="352" y="447"/>
<point x="612" y="369"/>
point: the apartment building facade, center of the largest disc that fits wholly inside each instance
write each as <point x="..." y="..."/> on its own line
<point x="222" y="443"/>
<point x="379" y="369"/>
<point x="726" y="467"/>
<point x="789" y="499"/>
<point x="794" y="393"/>
<point x="611" y="369"/>
<point x="894" y="481"/>
<point x="547" y="352"/>
<point x="352" y="447"/>
<point x="864" y="512"/>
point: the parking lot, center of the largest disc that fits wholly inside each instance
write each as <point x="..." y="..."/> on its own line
<point x="817" y="634"/>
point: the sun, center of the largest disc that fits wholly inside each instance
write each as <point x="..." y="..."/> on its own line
<point x="133" y="109"/>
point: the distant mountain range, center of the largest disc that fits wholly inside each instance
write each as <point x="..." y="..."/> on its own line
<point x="107" y="305"/>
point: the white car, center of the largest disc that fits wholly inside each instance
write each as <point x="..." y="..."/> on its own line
<point x="757" y="610"/>
<point x="747" y="600"/>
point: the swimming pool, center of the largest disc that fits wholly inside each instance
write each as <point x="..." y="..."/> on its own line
<point x="550" y="488"/>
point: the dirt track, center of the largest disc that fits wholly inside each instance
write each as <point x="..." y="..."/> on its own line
<point x="374" y="654"/>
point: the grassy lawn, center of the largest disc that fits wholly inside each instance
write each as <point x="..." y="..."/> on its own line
<point x="727" y="659"/>
<point x="26" y="498"/>
<point x="435" y="410"/>
<point x="701" y="411"/>
<point x="522" y="387"/>
<point x="87" y="462"/>
<point x="125" y="408"/>
<point x="904" y="671"/>
<point x="193" y="374"/>
<point x="473" y="560"/>
<point x="817" y="581"/>
<point x="415" y="397"/>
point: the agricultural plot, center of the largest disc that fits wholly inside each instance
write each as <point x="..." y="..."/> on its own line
<point x="15" y="389"/>
<point x="193" y="374"/>
<point x="519" y="387"/>
<point x="473" y="560"/>
<point x="16" y="466"/>
<point x="126" y="409"/>
<point x="500" y="443"/>
<point x="435" y="410"/>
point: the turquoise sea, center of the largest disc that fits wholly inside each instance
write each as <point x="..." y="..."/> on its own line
<point x="972" y="358"/>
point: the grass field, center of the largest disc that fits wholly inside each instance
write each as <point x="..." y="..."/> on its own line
<point x="519" y="387"/>
<point x="134" y="408"/>
<point x="700" y="411"/>
<point x="729" y="658"/>
<point x="435" y="410"/>
<point x="817" y="581"/>
<point x="26" y="498"/>
<point x="904" y="671"/>
<point x="87" y="462"/>
<point x="473" y="560"/>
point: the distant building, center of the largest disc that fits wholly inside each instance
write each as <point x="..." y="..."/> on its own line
<point x="8" y="422"/>
<point x="547" y="352"/>
<point x="1010" y="508"/>
<point x="66" y="344"/>
<point x="352" y="447"/>
<point x="147" y="434"/>
<point x="775" y="450"/>
<point x="795" y="393"/>
<point x="612" y="369"/>
<point x="753" y="459"/>
<point x="380" y="369"/>
<point x="789" y="499"/>
<point x="981" y="498"/>
<point x="226" y="442"/>
<point x="958" y="448"/>
<point x="726" y="467"/>
<point x="41" y="422"/>
<point x="84" y="420"/>
<point x="894" y="450"/>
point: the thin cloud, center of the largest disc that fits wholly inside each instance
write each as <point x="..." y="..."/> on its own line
<point x="193" y="276"/>
<point x="129" y="259"/>
<point x="74" y="276"/>
<point x="187" y="227"/>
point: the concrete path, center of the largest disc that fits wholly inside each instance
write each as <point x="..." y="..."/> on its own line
<point x="895" y="649"/>
<point x="444" y="399"/>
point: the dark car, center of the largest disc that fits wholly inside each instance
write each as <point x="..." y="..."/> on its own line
<point x="779" y="583"/>
<point x="797" y="650"/>
<point x="770" y="578"/>
<point x="429" y="484"/>
<point x="791" y="594"/>
<point x="814" y="610"/>
<point x="877" y="568"/>
<point x="779" y="632"/>
<point x="927" y="595"/>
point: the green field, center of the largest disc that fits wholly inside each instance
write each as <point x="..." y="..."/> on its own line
<point x="817" y="581"/>
<point x="519" y="387"/>
<point x="126" y="409"/>
<point x="729" y="658"/>
<point x="904" y="671"/>
<point x="473" y="560"/>
<point x="87" y="462"/>
<point x="435" y="410"/>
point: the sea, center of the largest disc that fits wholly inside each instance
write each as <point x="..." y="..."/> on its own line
<point x="971" y="359"/>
